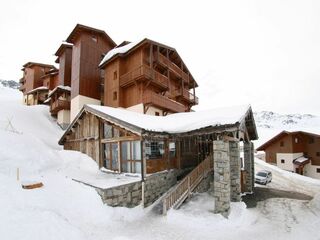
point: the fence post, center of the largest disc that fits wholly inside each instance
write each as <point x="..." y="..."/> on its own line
<point x="164" y="206"/>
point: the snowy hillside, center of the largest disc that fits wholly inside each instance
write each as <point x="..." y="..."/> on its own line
<point x="9" y="84"/>
<point x="270" y="123"/>
<point x="65" y="209"/>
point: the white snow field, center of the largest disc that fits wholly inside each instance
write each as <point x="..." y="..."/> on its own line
<point x="65" y="209"/>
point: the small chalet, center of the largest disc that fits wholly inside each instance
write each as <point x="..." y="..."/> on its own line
<point x="124" y="141"/>
<point x="297" y="152"/>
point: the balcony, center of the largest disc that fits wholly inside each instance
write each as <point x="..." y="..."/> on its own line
<point x="162" y="102"/>
<point x="58" y="105"/>
<point x="162" y="60"/>
<point x="21" y="80"/>
<point x="144" y="73"/>
<point x="187" y="96"/>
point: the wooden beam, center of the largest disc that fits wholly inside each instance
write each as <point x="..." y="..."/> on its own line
<point x="126" y="138"/>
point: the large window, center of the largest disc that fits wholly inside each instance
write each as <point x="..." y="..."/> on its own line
<point x="111" y="160"/>
<point x="154" y="150"/>
<point x="131" y="156"/>
<point x="112" y="132"/>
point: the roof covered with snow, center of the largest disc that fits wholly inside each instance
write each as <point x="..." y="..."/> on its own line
<point x="42" y="88"/>
<point x="118" y="50"/>
<point x="60" y="87"/>
<point x="170" y="124"/>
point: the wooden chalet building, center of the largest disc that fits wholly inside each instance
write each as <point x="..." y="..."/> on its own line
<point x="125" y="141"/>
<point x="32" y="83"/>
<point x="147" y="77"/>
<point x="297" y="152"/>
<point x="89" y="44"/>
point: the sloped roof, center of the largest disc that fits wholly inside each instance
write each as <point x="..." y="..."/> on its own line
<point x="79" y="28"/>
<point x="62" y="47"/>
<point x="127" y="47"/>
<point x="60" y="87"/>
<point x="38" y="89"/>
<point x="171" y="124"/>
<point x="30" y="64"/>
<point x="281" y="135"/>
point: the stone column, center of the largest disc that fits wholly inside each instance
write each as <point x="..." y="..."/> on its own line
<point x="221" y="177"/>
<point x="249" y="165"/>
<point x="235" y="171"/>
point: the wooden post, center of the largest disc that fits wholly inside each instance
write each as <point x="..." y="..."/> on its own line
<point x="164" y="206"/>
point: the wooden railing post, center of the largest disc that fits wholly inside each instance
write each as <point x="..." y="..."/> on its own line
<point x="164" y="206"/>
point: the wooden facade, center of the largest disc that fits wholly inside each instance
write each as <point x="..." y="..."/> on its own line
<point x="32" y="76"/>
<point x="293" y="142"/>
<point x="64" y="58"/>
<point x="51" y="79"/>
<point x="151" y="74"/>
<point x="59" y="100"/>
<point x="121" y="147"/>
<point x="89" y="44"/>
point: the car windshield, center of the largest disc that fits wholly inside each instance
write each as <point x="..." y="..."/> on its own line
<point x="262" y="174"/>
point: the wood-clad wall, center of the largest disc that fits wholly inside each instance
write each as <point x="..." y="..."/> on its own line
<point x="85" y="137"/>
<point x="87" y="53"/>
<point x="65" y="61"/>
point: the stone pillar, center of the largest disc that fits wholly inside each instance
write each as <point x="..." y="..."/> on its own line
<point x="249" y="165"/>
<point x="221" y="177"/>
<point x="235" y="171"/>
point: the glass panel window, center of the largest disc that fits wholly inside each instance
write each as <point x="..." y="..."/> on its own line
<point x="116" y="132"/>
<point x="154" y="150"/>
<point x="107" y="131"/>
<point x="172" y="149"/>
<point x="107" y="156"/>
<point x="136" y="150"/>
<point x="138" y="167"/>
<point x="114" y="147"/>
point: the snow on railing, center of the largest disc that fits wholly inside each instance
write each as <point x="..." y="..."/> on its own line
<point x="176" y="196"/>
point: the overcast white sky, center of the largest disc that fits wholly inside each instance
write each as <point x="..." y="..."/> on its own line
<point x="266" y="53"/>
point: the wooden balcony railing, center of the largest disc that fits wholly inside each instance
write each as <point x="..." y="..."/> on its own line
<point x="176" y="196"/>
<point x="144" y="72"/>
<point x="162" y="102"/>
<point x="58" y="105"/>
<point x="173" y="67"/>
<point x="187" y="96"/>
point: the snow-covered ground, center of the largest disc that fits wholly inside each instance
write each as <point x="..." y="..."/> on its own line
<point x="65" y="209"/>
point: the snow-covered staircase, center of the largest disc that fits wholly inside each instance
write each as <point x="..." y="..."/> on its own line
<point x="179" y="193"/>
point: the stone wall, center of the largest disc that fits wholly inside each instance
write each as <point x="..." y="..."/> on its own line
<point x="157" y="184"/>
<point x="249" y="165"/>
<point x="128" y="195"/>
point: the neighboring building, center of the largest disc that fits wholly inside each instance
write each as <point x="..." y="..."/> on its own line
<point x="89" y="44"/>
<point x="32" y="82"/>
<point x="147" y="77"/>
<point x="125" y="141"/>
<point x="60" y="97"/>
<point x="51" y="79"/>
<point x="297" y="152"/>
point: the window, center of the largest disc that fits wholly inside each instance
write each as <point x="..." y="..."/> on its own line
<point x="131" y="156"/>
<point x="282" y="161"/>
<point x="172" y="149"/>
<point x="318" y="154"/>
<point x="107" y="131"/>
<point x="154" y="150"/>
<point x="311" y="140"/>
<point x="296" y="140"/>
<point x="115" y="96"/>
<point x="111" y="156"/>
<point x="318" y="170"/>
<point x="94" y="38"/>
<point x="157" y="113"/>
<point x="115" y="75"/>
<point x="281" y="144"/>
